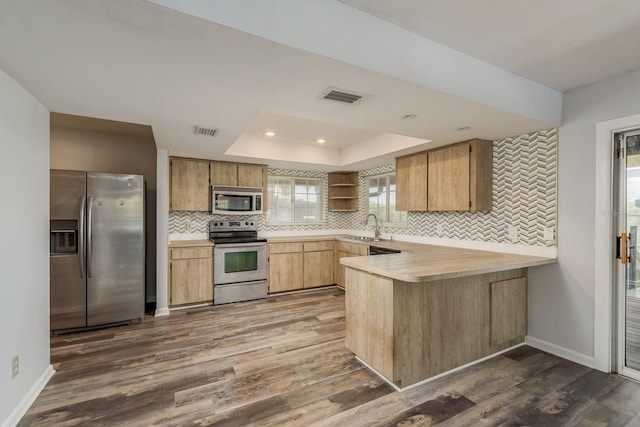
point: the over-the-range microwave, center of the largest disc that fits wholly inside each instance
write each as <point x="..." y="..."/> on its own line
<point x="236" y="200"/>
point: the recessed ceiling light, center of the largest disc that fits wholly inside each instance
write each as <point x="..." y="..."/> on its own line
<point x="270" y="133"/>
<point x="463" y="128"/>
<point x="409" y="116"/>
<point x="321" y="141"/>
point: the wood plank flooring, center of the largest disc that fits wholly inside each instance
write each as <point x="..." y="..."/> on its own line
<point x="282" y="362"/>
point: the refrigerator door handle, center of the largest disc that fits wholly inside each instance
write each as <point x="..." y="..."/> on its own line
<point x="89" y="233"/>
<point x="81" y="236"/>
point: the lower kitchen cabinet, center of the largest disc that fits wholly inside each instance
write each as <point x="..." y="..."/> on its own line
<point x="285" y="267"/>
<point x="191" y="278"/>
<point x="318" y="264"/>
<point x="344" y="250"/>
<point x="300" y="265"/>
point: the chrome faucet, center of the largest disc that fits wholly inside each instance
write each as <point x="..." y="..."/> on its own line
<point x="376" y="230"/>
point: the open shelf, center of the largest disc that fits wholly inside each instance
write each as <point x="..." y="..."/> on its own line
<point x="343" y="191"/>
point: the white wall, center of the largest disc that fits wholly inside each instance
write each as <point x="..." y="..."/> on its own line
<point x="24" y="254"/>
<point x="162" y="231"/>
<point x="562" y="297"/>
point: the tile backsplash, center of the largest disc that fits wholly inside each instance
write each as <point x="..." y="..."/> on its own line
<point x="524" y="196"/>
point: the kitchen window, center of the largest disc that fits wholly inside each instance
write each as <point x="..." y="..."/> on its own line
<point x="294" y="200"/>
<point x="381" y="200"/>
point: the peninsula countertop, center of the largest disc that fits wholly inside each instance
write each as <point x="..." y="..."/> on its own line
<point x="433" y="262"/>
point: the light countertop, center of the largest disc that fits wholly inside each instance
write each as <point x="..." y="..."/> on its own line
<point x="429" y="262"/>
<point x="293" y="239"/>
<point x="189" y="243"/>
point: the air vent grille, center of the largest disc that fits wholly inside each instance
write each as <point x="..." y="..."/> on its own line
<point x="340" y="95"/>
<point x="205" y="131"/>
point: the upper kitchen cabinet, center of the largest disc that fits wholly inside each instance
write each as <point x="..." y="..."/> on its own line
<point x="223" y="173"/>
<point x="460" y="177"/>
<point x="343" y="191"/>
<point x="250" y="175"/>
<point x="189" y="185"/>
<point x="237" y="174"/>
<point x="411" y="182"/>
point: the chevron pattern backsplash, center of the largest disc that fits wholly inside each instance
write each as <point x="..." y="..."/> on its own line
<point x="524" y="195"/>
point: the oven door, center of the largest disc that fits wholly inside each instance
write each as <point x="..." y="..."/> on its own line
<point x="239" y="262"/>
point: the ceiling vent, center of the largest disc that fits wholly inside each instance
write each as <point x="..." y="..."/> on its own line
<point x="340" y="95"/>
<point x="205" y="131"/>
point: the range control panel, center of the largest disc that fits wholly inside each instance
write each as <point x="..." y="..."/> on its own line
<point x="218" y="225"/>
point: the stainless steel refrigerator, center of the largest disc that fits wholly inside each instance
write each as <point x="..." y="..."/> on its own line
<point x="97" y="249"/>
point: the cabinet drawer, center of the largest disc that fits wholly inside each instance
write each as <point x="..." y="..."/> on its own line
<point x="283" y="248"/>
<point x="194" y="252"/>
<point x="353" y="248"/>
<point x="318" y="246"/>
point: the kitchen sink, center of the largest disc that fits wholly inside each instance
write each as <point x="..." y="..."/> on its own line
<point x="365" y="239"/>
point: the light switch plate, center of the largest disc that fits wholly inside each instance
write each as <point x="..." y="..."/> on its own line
<point x="439" y="230"/>
<point x="549" y="234"/>
<point x="513" y="233"/>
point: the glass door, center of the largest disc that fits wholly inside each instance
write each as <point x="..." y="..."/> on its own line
<point x="627" y="152"/>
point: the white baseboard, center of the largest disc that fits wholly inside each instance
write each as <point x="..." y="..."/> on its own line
<point x="162" y="311"/>
<point x="29" y="398"/>
<point x="186" y="307"/>
<point x="559" y="351"/>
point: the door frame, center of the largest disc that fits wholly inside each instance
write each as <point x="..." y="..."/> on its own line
<point x="604" y="314"/>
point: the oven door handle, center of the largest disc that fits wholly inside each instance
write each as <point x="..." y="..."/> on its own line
<point x="238" y="245"/>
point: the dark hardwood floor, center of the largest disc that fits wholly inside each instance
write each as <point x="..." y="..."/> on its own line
<point x="282" y="362"/>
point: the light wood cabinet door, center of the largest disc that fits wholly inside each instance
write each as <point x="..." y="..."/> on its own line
<point x="345" y="250"/>
<point x="460" y="177"/>
<point x="481" y="175"/>
<point x="285" y="271"/>
<point x="224" y="173"/>
<point x="189" y="185"/>
<point x="318" y="269"/>
<point x="250" y="175"/>
<point x="449" y="179"/>
<point x="508" y="310"/>
<point x="339" y="268"/>
<point x="191" y="281"/>
<point x="411" y="182"/>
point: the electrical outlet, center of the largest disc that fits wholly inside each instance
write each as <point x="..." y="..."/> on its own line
<point x="439" y="230"/>
<point x="15" y="366"/>
<point x="414" y="228"/>
<point x="513" y="233"/>
<point x="189" y="225"/>
<point x="549" y="234"/>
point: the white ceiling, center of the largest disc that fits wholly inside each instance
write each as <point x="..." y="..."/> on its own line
<point x="562" y="44"/>
<point x="246" y="65"/>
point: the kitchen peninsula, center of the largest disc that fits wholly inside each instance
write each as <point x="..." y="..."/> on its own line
<point x="414" y="315"/>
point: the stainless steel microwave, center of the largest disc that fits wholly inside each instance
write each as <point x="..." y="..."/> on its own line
<point x="236" y="200"/>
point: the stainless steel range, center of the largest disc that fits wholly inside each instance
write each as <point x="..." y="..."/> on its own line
<point x="239" y="261"/>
